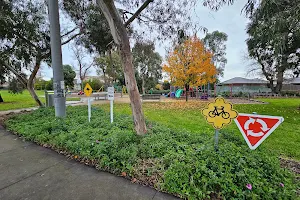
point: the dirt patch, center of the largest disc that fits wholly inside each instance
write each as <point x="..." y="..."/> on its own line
<point x="149" y="172"/>
<point x="294" y="166"/>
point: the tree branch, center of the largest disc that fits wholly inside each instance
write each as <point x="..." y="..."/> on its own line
<point x="70" y="39"/>
<point x="138" y="12"/>
<point x="69" y="32"/>
<point x="17" y="74"/>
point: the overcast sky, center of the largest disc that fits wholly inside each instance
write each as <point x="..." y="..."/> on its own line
<point x="228" y="19"/>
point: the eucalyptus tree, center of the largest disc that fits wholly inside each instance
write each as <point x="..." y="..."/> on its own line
<point x="25" y="39"/>
<point x="215" y="43"/>
<point x="274" y="38"/>
<point x="147" y="63"/>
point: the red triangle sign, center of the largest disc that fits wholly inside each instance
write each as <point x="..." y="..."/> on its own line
<point x="256" y="128"/>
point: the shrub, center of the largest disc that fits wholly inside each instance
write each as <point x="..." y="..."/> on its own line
<point x="290" y="93"/>
<point x="181" y="162"/>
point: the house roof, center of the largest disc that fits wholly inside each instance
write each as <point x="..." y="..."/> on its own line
<point x="240" y="80"/>
<point x="296" y="81"/>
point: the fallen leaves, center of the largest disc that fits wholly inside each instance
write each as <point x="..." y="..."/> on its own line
<point x="123" y="174"/>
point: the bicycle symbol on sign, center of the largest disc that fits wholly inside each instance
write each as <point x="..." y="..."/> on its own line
<point x="219" y="112"/>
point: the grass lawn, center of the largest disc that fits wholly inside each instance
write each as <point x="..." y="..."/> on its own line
<point x="284" y="141"/>
<point x="24" y="100"/>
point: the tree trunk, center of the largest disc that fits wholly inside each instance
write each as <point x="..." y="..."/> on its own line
<point x="104" y="77"/>
<point x="15" y="72"/>
<point x="279" y="82"/>
<point x="187" y="89"/>
<point x="111" y="66"/>
<point x="121" y="38"/>
<point x="30" y="85"/>
<point x="1" y="100"/>
<point x="271" y="86"/>
<point x="27" y="83"/>
<point x="143" y="85"/>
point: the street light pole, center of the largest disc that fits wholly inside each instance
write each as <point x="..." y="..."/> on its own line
<point x="56" y="57"/>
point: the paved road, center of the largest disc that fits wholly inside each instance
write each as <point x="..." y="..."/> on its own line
<point x="29" y="171"/>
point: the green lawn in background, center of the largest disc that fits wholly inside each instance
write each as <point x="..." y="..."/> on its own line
<point x="284" y="141"/>
<point x="17" y="101"/>
<point x="24" y="100"/>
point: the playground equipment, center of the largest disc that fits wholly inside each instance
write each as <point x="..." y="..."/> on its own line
<point x="178" y="93"/>
<point x="200" y="92"/>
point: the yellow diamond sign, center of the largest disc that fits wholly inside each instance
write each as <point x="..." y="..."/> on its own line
<point x="88" y="90"/>
<point x="219" y="113"/>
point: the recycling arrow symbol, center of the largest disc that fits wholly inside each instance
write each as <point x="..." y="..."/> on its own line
<point x="264" y="127"/>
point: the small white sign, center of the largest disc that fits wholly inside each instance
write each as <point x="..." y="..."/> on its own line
<point x="62" y="85"/>
<point x="110" y="93"/>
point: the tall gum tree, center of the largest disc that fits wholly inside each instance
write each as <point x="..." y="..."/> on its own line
<point x="274" y="38"/>
<point x="162" y="19"/>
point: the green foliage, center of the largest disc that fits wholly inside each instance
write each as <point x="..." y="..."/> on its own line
<point x="215" y="43"/>
<point x="187" y="162"/>
<point x="274" y="37"/>
<point x="40" y="84"/>
<point x="166" y="85"/>
<point x="96" y="84"/>
<point x="89" y="17"/>
<point x="49" y="84"/>
<point x="15" y="86"/>
<point x="147" y="64"/>
<point x="290" y="93"/>
<point x="110" y="67"/>
<point x="69" y="75"/>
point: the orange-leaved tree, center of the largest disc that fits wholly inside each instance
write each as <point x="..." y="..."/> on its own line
<point x="190" y="64"/>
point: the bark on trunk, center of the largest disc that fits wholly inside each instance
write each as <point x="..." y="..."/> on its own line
<point x="30" y="85"/>
<point x="104" y="77"/>
<point x="143" y="86"/>
<point x="111" y="66"/>
<point x="187" y="89"/>
<point x="121" y="38"/>
<point x="279" y="82"/>
<point x="81" y="84"/>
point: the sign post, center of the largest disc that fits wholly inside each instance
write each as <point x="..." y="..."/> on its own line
<point x="219" y="113"/>
<point x="88" y="91"/>
<point x="110" y="97"/>
<point x="256" y="128"/>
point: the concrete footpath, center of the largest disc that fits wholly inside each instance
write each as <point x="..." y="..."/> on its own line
<point x="29" y="171"/>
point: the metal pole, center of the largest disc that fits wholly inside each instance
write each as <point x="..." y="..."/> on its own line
<point x="216" y="139"/>
<point x="89" y="109"/>
<point x="111" y="111"/>
<point x="58" y="76"/>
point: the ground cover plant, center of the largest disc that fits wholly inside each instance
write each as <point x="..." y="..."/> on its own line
<point x="285" y="141"/>
<point x="175" y="160"/>
<point x="23" y="100"/>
